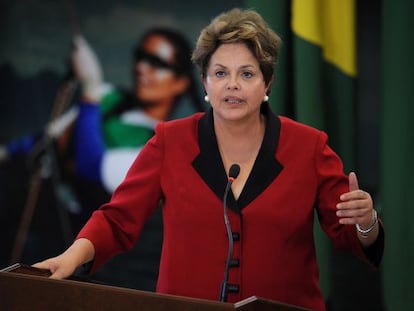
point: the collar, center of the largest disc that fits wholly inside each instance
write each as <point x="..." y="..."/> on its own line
<point x="210" y="167"/>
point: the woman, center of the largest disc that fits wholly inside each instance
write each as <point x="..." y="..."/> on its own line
<point x="286" y="171"/>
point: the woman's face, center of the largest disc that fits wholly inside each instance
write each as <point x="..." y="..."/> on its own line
<point x="234" y="83"/>
<point x="155" y="80"/>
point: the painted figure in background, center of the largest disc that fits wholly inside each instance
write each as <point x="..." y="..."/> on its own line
<point x="113" y="124"/>
<point x="105" y="130"/>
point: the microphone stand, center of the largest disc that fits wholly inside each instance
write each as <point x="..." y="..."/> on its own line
<point x="233" y="173"/>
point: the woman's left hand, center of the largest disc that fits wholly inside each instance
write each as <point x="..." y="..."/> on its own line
<point x="356" y="206"/>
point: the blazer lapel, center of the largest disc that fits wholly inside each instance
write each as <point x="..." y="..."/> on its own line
<point x="210" y="167"/>
<point x="266" y="168"/>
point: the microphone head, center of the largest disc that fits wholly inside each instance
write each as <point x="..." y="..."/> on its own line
<point x="234" y="171"/>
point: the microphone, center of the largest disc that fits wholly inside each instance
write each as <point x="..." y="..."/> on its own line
<point x="233" y="173"/>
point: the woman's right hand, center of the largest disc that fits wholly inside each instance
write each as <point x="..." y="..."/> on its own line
<point x="64" y="265"/>
<point x="60" y="266"/>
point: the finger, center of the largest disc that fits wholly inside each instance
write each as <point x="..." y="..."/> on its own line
<point x="354" y="199"/>
<point x="42" y="265"/>
<point x="348" y="216"/>
<point x="58" y="275"/>
<point x="352" y="212"/>
<point x="349" y="221"/>
<point x="353" y="182"/>
<point x="55" y="272"/>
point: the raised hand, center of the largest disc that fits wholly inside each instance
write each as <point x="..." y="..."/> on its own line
<point x="356" y="206"/>
<point x="87" y="68"/>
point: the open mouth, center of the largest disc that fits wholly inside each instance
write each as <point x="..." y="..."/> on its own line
<point x="233" y="100"/>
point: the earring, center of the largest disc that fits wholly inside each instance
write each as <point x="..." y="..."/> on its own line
<point x="206" y="99"/>
<point x="266" y="98"/>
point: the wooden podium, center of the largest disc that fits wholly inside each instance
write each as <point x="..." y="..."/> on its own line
<point x="23" y="288"/>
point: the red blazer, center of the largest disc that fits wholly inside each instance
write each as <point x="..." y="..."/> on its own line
<point x="295" y="173"/>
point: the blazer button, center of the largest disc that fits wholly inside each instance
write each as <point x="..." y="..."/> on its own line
<point x="233" y="288"/>
<point x="236" y="236"/>
<point x="234" y="263"/>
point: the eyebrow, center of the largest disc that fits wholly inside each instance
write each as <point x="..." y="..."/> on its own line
<point x="242" y="67"/>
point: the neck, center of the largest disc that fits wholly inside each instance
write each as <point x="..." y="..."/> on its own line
<point x="238" y="132"/>
<point x="240" y="143"/>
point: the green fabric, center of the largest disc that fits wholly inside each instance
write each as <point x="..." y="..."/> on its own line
<point x="397" y="165"/>
<point x="309" y="107"/>
<point x="325" y="99"/>
<point x="110" y="100"/>
<point x="308" y="87"/>
<point x="275" y="13"/>
<point x="117" y="133"/>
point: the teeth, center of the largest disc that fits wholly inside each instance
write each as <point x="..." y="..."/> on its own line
<point x="233" y="101"/>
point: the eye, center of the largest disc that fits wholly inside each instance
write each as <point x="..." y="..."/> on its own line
<point x="247" y="74"/>
<point x="220" y="73"/>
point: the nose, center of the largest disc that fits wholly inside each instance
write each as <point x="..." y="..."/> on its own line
<point x="233" y="83"/>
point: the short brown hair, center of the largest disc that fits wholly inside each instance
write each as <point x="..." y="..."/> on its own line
<point x="239" y="26"/>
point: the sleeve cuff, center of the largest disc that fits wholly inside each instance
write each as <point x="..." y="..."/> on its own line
<point x="375" y="251"/>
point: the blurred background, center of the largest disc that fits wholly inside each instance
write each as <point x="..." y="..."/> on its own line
<point x="350" y="74"/>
